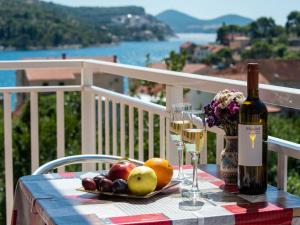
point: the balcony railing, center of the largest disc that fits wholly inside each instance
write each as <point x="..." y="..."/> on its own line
<point x="90" y="115"/>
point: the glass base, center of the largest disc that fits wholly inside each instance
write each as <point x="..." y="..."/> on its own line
<point x="191" y="205"/>
<point x="193" y="200"/>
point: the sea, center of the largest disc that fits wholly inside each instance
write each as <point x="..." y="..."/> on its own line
<point x="133" y="53"/>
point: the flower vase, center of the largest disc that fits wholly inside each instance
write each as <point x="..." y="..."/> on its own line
<point x="229" y="161"/>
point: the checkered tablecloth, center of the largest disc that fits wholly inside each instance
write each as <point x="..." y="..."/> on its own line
<point x="53" y="199"/>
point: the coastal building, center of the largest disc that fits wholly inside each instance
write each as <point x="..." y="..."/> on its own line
<point x="67" y="76"/>
<point x="188" y="47"/>
<point x="202" y="51"/>
<point x="195" y="53"/>
<point x="239" y="42"/>
<point x="294" y="44"/>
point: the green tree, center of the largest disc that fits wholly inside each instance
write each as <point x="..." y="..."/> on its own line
<point x="264" y="27"/>
<point x="221" y="35"/>
<point x="47" y="137"/>
<point x="176" y="61"/>
<point x="225" y="31"/>
<point x="280" y="50"/>
<point x="293" y="23"/>
<point x="259" y="50"/>
<point x="221" y="58"/>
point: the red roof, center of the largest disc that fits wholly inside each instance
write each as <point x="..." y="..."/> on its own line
<point x="272" y="71"/>
<point x="186" y="45"/>
<point x="188" y="68"/>
<point x="60" y="73"/>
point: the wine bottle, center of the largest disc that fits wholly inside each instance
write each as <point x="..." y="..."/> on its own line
<point x="252" y="139"/>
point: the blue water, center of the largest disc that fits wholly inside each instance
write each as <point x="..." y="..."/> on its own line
<point x="133" y="53"/>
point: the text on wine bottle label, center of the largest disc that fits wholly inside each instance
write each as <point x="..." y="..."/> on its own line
<point x="250" y="145"/>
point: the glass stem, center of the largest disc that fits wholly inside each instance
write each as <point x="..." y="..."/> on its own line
<point x="195" y="175"/>
<point x="180" y="161"/>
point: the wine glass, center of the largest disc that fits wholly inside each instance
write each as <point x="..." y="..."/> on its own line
<point x="176" y="127"/>
<point x="194" y="137"/>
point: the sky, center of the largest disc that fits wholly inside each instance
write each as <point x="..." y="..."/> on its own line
<point x="204" y="9"/>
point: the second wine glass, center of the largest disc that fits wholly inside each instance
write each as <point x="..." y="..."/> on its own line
<point x="194" y="138"/>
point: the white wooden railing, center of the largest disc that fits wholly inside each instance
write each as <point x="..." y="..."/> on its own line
<point x="93" y="113"/>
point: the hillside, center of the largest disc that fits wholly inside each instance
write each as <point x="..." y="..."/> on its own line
<point x="183" y="23"/>
<point x="28" y="24"/>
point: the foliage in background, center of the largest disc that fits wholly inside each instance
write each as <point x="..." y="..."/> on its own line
<point x="39" y="24"/>
<point x="268" y="40"/>
<point x="47" y="137"/>
<point x="222" y="58"/>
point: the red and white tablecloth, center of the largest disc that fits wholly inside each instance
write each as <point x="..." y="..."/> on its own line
<point x="53" y="199"/>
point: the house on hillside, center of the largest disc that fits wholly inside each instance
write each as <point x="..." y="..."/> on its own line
<point x="188" y="47"/>
<point x="197" y="52"/>
<point x="67" y="76"/>
<point x="239" y="42"/>
<point x="202" y="51"/>
<point x="294" y="44"/>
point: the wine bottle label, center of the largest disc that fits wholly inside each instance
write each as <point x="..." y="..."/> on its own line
<point x="250" y="144"/>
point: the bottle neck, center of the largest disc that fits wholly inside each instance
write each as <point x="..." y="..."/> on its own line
<point x="253" y="93"/>
<point x="252" y="82"/>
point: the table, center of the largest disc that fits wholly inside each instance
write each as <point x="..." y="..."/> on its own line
<point x="52" y="199"/>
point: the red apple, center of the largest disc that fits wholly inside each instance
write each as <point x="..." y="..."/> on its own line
<point x="120" y="170"/>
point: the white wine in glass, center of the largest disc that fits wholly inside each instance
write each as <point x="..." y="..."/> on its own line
<point x="194" y="140"/>
<point x="177" y="125"/>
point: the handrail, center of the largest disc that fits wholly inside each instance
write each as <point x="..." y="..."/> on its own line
<point x="66" y="88"/>
<point x="41" y="64"/>
<point x="276" y="95"/>
<point x="286" y="147"/>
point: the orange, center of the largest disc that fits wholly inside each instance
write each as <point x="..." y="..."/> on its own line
<point x="163" y="170"/>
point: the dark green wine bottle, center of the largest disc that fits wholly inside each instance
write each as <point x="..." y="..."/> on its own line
<point x="252" y="139"/>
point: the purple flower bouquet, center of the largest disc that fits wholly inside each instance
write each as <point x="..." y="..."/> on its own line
<point x="223" y="111"/>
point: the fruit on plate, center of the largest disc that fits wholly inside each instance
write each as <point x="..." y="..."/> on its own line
<point x="163" y="170"/>
<point x="120" y="186"/>
<point x="142" y="180"/>
<point x="97" y="180"/>
<point x="105" y="185"/>
<point x="120" y="170"/>
<point x="89" y="184"/>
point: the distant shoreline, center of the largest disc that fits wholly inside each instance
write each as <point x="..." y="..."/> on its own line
<point x="186" y="36"/>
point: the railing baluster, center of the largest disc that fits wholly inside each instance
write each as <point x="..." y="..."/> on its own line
<point x="60" y="126"/>
<point x="88" y="117"/>
<point x="131" y="131"/>
<point x="107" y="130"/>
<point x="282" y="166"/>
<point x="168" y="149"/>
<point x="162" y="136"/>
<point x="9" y="185"/>
<point x="114" y="127"/>
<point x="100" y="139"/>
<point x="122" y="130"/>
<point x="34" y="130"/>
<point x="141" y="134"/>
<point x="150" y="135"/>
